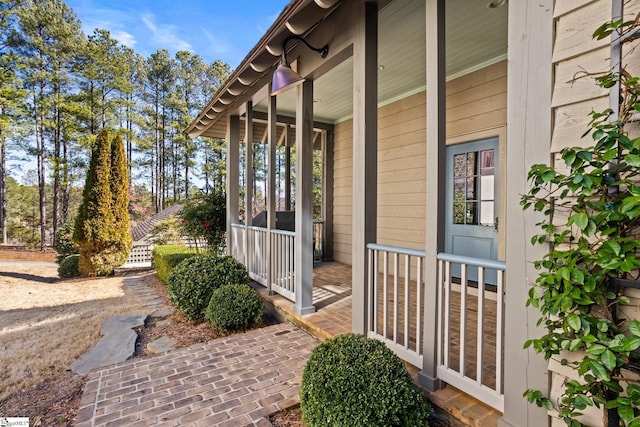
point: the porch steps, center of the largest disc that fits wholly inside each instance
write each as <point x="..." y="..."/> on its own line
<point x="453" y="407"/>
<point x="465" y="409"/>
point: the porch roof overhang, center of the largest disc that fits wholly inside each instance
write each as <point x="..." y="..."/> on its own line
<point x="472" y="44"/>
<point x="251" y="77"/>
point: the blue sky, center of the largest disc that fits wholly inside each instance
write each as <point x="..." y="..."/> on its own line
<point x="214" y="29"/>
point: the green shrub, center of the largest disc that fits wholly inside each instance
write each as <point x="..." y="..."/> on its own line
<point x="192" y="282"/>
<point x="234" y="308"/>
<point x="69" y="267"/>
<point x="63" y="242"/>
<point x="166" y="257"/>
<point x="351" y="380"/>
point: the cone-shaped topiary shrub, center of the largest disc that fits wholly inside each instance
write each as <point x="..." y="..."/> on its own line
<point x="102" y="227"/>
<point x="69" y="267"/>
<point x="351" y="380"/>
<point x="119" y="183"/>
<point x="234" y="308"/>
<point x="192" y="282"/>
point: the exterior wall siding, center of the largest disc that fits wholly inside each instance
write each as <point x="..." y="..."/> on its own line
<point x="475" y="102"/>
<point x="576" y="58"/>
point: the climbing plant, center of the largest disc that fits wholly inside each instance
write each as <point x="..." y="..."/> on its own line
<point x="591" y="218"/>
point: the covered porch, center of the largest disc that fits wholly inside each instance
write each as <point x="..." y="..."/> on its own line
<point x="416" y="195"/>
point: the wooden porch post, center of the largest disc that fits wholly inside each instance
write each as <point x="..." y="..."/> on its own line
<point x="287" y="169"/>
<point x="327" y="194"/>
<point x="248" y="181"/>
<point x="233" y="174"/>
<point x="529" y="118"/>
<point x="435" y="194"/>
<point x="248" y="173"/>
<point x="365" y="155"/>
<point x="272" y="135"/>
<point x="304" y="200"/>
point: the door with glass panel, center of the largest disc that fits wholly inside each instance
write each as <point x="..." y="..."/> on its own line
<point x="472" y="202"/>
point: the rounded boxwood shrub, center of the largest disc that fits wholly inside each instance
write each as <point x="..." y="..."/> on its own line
<point x="234" y="308"/>
<point x="351" y="380"/>
<point x="69" y="267"/>
<point x="192" y="282"/>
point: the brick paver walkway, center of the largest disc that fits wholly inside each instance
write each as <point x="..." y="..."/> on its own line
<point x="233" y="381"/>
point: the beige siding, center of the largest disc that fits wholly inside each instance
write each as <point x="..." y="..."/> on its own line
<point x="475" y="102"/>
<point x="576" y="54"/>
<point x="342" y="181"/>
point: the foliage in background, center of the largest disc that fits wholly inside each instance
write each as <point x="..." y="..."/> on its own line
<point x="351" y="380"/>
<point x="59" y="87"/>
<point x="591" y="224"/>
<point x="165" y="232"/>
<point x="166" y="257"/>
<point x="102" y="244"/>
<point x="233" y="308"/>
<point x="192" y="282"/>
<point x="204" y="217"/>
<point x="63" y="242"/>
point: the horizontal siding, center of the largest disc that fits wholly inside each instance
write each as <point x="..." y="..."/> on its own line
<point x="566" y="6"/>
<point x="572" y="85"/>
<point x="477" y="101"/>
<point x="474" y="102"/>
<point x="574" y="30"/>
<point x="576" y="54"/>
<point x="343" y="188"/>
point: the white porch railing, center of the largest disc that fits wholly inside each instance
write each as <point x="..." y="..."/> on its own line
<point x="396" y="289"/>
<point x="237" y="243"/>
<point x="470" y="327"/>
<point x="282" y="263"/>
<point x="251" y="250"/>
<point x="257" y="261"/>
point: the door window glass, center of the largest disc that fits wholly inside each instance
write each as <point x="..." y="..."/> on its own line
<point x="474" y="188"/>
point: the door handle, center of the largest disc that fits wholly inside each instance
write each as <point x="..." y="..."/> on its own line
<point x="495" y="224"/>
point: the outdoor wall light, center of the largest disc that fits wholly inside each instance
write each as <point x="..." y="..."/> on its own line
<point x="284" y="78"/>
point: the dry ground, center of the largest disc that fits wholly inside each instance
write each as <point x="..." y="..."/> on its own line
<point x="46" y="323"/>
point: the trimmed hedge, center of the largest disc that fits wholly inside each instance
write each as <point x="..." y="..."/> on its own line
<point x="234" y="308"/>
<point x="351" y="380"/>
<point x="192" y="282"/>
<point x="69" y="267"/>
<point x="166" y="257"/>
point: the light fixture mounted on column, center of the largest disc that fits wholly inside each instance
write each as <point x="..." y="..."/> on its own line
<point x="284" y="78"/>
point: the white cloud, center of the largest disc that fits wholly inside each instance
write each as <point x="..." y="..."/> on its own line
<point x="165" y="36"/>
<point x="124" y="38"/>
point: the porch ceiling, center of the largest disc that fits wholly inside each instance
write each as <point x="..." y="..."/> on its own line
<point x="476" y="37"/>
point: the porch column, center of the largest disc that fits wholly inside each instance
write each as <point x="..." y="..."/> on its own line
<point x="365" y="155"/>
<point x="233" y="174"/>
<point x="272" y="137"/>
<point x="529" y="88"/>
<point x="248" y="181"/>
<point x="287" y="169"/>
<point x="327" y="194"/>
<point x="435" y="177"/>
<point x="304" y="200"/>
<point x="248" y="162"/>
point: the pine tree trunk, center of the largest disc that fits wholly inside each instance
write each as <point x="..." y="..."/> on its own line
<point x="3" y="186"/>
